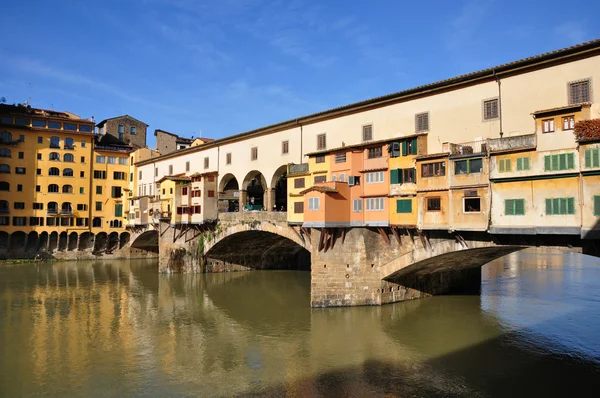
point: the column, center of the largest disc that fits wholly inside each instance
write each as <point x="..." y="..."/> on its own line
<point x="243" y="198"/>
<point x="270" y="198"/>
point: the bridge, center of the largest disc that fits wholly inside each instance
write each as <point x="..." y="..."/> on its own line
<point x="349" y="266"/>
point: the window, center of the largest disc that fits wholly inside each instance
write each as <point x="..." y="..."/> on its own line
<point x="82" y="159"/>
<point x="558" y="162"/>
<point x="579" y="91"/>
<point x="54" y="156"/>
<point x="228" y="158"/>
<point x="123" y="161"/>
<point x="375" y="204"/>
<point x="591" y="157"/>
<point x="100" y="174"/>
<point x="184" y="191"/>
<point x="67" y="189"/>
<point x="357" y="205"/>
<point x="5" y="137"/>
<point x="342" y="177"/>
<point x="514" y="207"/>
<point x="20" y="221"/>
<point x="67" y="172"/>
<point x="5" y="153"/>
<point x="321" y="141"/>
<point x="40" y="140"/>
<point x="21" y="138"/>
<point x="54" y="142"/>
<point x="39" y="156"/>
<point x="472" y="205"/>
<point x="69" y="143"/>
<point x="404" y="206"/>
<point x="97" y="221"/>
<point x="374" y="153"/>
<point x="21" y="155"/>
<point x="116" y="192"/>
<point x="422" y="122"/>
<point x="54" y="125"/>
<point x="468" y="166"/>
<point x="38" y="206"/>
<point x="333" y="177"/>
<point x="121" y="129"/>
<point x="318" y="179"/>
<point x="53" y="188"/>
<point x="5" y="168"/>
<point x="70" y="126"/>
<point x="374" y="177"/>
<point x="548" y="126"/>
<point x="4" y="220"/>
<point x="170" y="169"/>
<point x="433" y="169"/>
<point x="253" y="153"/>
<point x="523" y="163"/>
<point x="409" y="175"/>
<point x="320" y="159"/>
<point x="434" y="204"/>
<point x="39" y="123"/>
<point x="299" y="182"/>
<point x="285" y="147"/>
<point x="314" y="203"/>
<point x="100" y="159"/>
<point x="340" y="157"/>
<point x="83" y="144"/>
<point x="597" y="205"/>
<point x="409" y="147"/>
<point x="140" y="173"/>
<point x="6" y="120"/>
<point x="118" y="175"/>
<point x="132" y="130"/>
<point x="187" y="166"/>
<point x="82" y="174"/>
<point x="299" y="207"/>
<point x="112" y="160"/>
<point x="98" y="206"/>
<point x="504" y="165"/>
<point x="84" y="128"/>
<point x="568" y="122"/>
<point x="367" y="132"/>
<point x="490" y="109"/>
<point x="54" y="171"/>
<point x="211" y="194"/>
<point x="118" y="210"/>
<point x="82" y="190"/>
<point x="38" y="188"/>
<point x="206" y="162"/>
<point x="19" y="187"/>
<point x="22" y="122"/>
<point x="560" y="206"/>
<point x="19" y="205"/>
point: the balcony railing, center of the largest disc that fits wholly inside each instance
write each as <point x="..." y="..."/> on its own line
<point x="66" y="212"/>
<point x="69" y="147"/>
<point x="469" y="148"/>
<point x="510" y="143"/>
<point x="298" y="168"/>
<point x="113" y="148"/>
<point x="52" y="212"/>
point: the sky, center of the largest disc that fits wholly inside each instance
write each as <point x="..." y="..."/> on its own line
<point x="214" y="68"/>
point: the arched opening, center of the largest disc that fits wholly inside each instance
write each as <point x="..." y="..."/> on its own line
<point x="5" y="137"/>
<point x="43" y="242"/>
<point x="254" y="184"/>
<point x="68" y="158"/>
<point x="101" y="242"/>
<point x="54" y="156"/>
<point x="97" y="222"/>
<point x="4" y="241"/>
<point x="32" y="242"/>
<point x="54" y="171"/>
<point x="68" y="172"/>
<point x="279" y="185"/>
<point x="229" y="194"/>
<point x="4" y="186"/>
<point x="4" y="168"/>
<point x="5" y="153"/>
<point x="148" y="241"/>
<point x="113" y="242"/>
<point x="18" y="240"/>
<point x="72" y="241"/>
<point x="67" y="188"/>
<point x="63" y="240"/>
<point x="4" y="207"/>
<point x="69" y="143"/>
<point x="258" y="250"/>
<point x="124" y="239"/>
<point x="86" y="241"/>
<point x="53" y="188"/>
<point x="53" y="242"/>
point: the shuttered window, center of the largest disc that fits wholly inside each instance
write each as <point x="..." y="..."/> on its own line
<point x="514" y="207"/>
<point x="321" y="141"/>
<point x="558" y="162"/>
<point x="320" y="159"/>
<point x="422" y="122"/>
<point x="299" y="207"/>
<point x="253" y="153"/>
<point x="340" y="157"/>
<point x="299" y="183"/>
<point x="228" y="158"/>
<point x="504" y="165"/>
<point x="579" y="92"/>
<point x="560" y="206"/>
<point x="409" y="147"/>
<point x="395" y="176"/>
<point x="320" y="179"/>
<point x="490" y="109"/>
<point x="367" y="132"/>
<point x="597" y="205"/>
<point x="285" y="147"/>
<point x="314" y="203"/>
<point x="357" y="205"/>
<point x="523" y="163"/>
<point x="404" y="206"/>
<point x="375" y="204"/>
<point x="592" y="158"/>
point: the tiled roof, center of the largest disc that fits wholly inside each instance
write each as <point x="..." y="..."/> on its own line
<point x="561" y="108"/>
<point x="433" y="156"/>
<point x="319" y="188"/>
<point x="175" y="178"/>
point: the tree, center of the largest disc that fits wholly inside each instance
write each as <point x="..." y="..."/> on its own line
<point x="2" y="100"/>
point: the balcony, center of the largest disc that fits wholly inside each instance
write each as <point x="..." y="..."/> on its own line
<point x="70" y="147"/>
<point x="468" y="148"/>
<point x="52" y="212"/>
<point x="376" y="163"/>
<point x="512" y="143"/>
<point x="298" y="168"/>
<point x="55" y="146"/>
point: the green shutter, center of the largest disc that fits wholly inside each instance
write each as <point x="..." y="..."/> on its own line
<point x="548" y="206"/>
<point x="526" y="163"/>
<point x="413" y="147"/>
<point x="570" y="161"/>
<point x="562" y="161"/>
<point x="547" y="163"/>
<point x="508" y="207"/>
<point x="520" y="164"/>
<point x="501" y="165"/>
<point x="404" y="148"/>
<point x="404" y="206"/>
<point x="519" y="207"/>
<point x="588" y="158"/>
<point x="507" y="165"/>
<point x="394" y="178"/>
<point x="596" y="157"/>
<point x="414" y="172"/>
<point x="118" y="210"/>
<point x="597" y="205"/>
<point x="570" y="206"/>
<point x="400" y="176"/>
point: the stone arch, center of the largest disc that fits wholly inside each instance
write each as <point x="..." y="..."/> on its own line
<point x="124" y="239"/>
<point x="4" y="242"/>
<point x="53" y="242"/>
<point x="101" y="242"/>
<point x="32" y="242"/>
<point x="72" y="245"/>
<point x="255" y="186"/>
<point x="86" y="241"/>
<point x="43" y="242"/>
<point x="147" y="240"/>
<point x="18" y="240"/>
<point x="279" y="187"/>
<point x="63" y="241"/>
<point x="113" y="242"/>
<point x="229" y="191"/>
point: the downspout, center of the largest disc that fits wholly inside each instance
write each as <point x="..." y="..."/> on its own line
<point x="301" y="142"/>
<point x="91" y="186"/>
<point x="499" y="102"/>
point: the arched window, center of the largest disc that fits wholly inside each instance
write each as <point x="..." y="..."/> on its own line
<point x="66" y="208"/>
<point x="69" y="143"/>
<point x="68" y="157"/>
<point x="67" y="189"/>
<point x="4" y="186"/>
<point x="5" y="137"/>
<point x="4" y="168"/>
<point x="97" y="222"/>
<point x="67" y="172"/>
<point x="5" y="153"/>
<point x="4" y="207"/>
<point x="54" y="142"/>
<point x="52" y="208"/>
<point x="54" y="156"/>
<point x="53" y="171"/>
<point x="53" y="188"/>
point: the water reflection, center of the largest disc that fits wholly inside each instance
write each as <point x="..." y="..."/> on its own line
<point x="117" y="328"/>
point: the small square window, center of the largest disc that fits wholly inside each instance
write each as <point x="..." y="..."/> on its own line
<point x="19" y="188"/>
<point x="285" y="147"/>
<point x="434" y="204"/>
<point x="548" y="126"/>
<point x="490" y="109"/>
<point x="40" y="140"/>
<point x="472" y="205"/>
<point x="579" y="92"/>
<point x="21" y="155"/>
<point x="38" y="188"/>
<point x="367" y="132"/>
<point x="39" y="156"/>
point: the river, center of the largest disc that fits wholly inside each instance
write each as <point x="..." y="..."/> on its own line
<point x="116" y="328"/>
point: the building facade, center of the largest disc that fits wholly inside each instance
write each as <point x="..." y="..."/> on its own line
<point x="126" y="128"/>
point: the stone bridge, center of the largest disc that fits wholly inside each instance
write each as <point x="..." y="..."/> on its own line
<point x="352" y="266"/>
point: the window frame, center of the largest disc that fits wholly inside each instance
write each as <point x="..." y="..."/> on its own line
<point x="431" y="199"/>
<point x="321" y="141"/>
<point x="485" y="116"/>
<point x="465" y="211"/>
<point x="422" y="122"/>
<point x="551" y="126"/>
<point x="367" y="132"/>
<point x="571" y="84"/>
<point x="513" y="206"/>
<point x="441" y="166"/>
<point x="285" y="147"/>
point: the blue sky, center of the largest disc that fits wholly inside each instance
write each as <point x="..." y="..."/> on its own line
<point x="221" y="67"/>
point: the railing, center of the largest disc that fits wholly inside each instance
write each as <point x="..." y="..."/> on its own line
<point x="6" y="142"/>
<point x="516" y="142"/>
<point x="297" y="168"/>
<point x="66" y="212"/>
<point x="112" y="148"/>
<point x="468" y="148"/>
<point x="52" y="212"/>
<point x="69" y="147"/>
<point x="55" y="146"/>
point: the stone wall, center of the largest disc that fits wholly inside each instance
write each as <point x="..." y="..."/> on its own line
<point x="165" y="142"/>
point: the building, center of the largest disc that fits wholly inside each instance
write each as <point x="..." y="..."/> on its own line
<point x="127" y="129"/>
<point x="167" y="142"/>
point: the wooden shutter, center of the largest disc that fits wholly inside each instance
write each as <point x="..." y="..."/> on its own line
<point x="595" y="157"/>
<point x="548" y="206"/>
<point x="508" y="207"/>
<point x="394" y="179"/>
<point x="404" y="148"/>
<point x="570" y="206"/>
<point x="526" y="163"/>
<point x="507" y="165"/>
<point x="501" y="165"/>
<point x="299" y="207"/>
<point x="597" y="205"/>
<point x="413" y="146"/>
<point x="299" y="183"/>
<point x="404" y="206"/>
<point x="588" y="158"/>
<point x="547" y="163"/>
<point x="367" y="133"/>
<point x="519" y="207"/>
<point x="570" y="161"/>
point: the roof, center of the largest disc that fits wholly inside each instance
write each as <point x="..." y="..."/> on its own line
<point x="26" y="110"/>
<point x="319" y="188"/>
<point x="175" y="178"/>
<point x="433" y="156"/>
<point x="120" y="117"/>
<point x="521" y="66"/>
<point x="364" y="144"/>
<point x="566" y="108"/>
<point x="198" y="174"/>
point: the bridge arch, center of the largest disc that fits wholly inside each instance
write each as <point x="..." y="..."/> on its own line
<point x="147" y="240"/>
